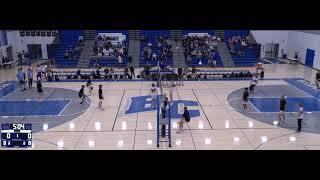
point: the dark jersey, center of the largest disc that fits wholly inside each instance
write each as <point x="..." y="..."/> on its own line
<point x="245" y="96"/>
<point x="283" y="103"/>
<point x="81" y="92"/>
<point x="186" y="115"/>
<point x="39" y="86"/>
<point x="100" y="94"/>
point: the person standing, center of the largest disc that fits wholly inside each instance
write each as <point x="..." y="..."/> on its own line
<point x="184" y="119"/>
<point x="39" y="71"/>
<point x="154" y="92"/>
<point x="253" y="84"/>
<point x="101" y="98"/>
<point x="21" y="76"/>
<point x="283" y="103"/>
<point x="40" y="90"/>
<point x="89" y="86"/>
<point x="300" y="117"/>
<point x="82" y="95"/>
<point x="132" y="72"/>
<point x="245" y="99"/>
<point x="30" y="77"/>
<point x="180" y="75"/>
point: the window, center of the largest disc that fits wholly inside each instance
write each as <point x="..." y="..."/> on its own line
<point x="48" y="32"/>
<point x="33" y="32"/>
<point x="27" y="32"/>
<point x="43" y="33"/>
<point x="38" y="32"/>
<point x="22" y="33"/>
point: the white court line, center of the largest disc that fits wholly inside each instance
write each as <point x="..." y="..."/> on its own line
<point x="254" y="107"/>
<point x="64" y="108"/>
<point x="8" y="94"/>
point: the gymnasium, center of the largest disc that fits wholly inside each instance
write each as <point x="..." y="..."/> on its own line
<point x="148" y="78"/>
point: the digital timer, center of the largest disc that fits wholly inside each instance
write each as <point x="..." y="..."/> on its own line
<point x="16" y="135"/>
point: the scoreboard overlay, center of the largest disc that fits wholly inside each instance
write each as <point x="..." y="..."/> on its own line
<point x="16" y="135"/>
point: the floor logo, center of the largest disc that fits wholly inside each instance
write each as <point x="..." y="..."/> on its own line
<point x="144" y="104"/>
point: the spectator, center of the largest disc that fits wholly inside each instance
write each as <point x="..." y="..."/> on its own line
<point x="120" y="61"/>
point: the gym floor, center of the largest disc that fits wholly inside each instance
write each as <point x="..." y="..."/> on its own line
<point x="217" y="121"/>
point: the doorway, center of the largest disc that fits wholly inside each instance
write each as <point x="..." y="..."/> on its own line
<point x="35" y="51"/>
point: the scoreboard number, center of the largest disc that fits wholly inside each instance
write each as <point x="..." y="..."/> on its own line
<point x="16" y="135"/>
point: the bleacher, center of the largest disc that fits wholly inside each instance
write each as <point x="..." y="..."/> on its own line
<point x="250" y="58"/>
<point x="110" y="61"/>
<point x="204" y="61"/>
<point x="151" y="34"/>
<point x="68" y="39"/>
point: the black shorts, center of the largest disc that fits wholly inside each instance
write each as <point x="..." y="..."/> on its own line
<point x="40" y="91"/>
<point x="21" y="82"/>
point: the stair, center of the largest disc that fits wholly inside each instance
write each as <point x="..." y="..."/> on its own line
<point x="177" y="48"/>
<point x="134" y="47"/>
<point x="89" y="35"/>
<point x="225" y="55"/>
<point x="86" y="54"/>
<point x="219" y="33"/>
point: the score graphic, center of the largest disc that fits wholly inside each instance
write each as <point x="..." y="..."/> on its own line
<point x="16" y="135"/>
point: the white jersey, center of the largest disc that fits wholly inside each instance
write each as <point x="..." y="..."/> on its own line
<point x="254" y="81"/>
<point x="300" y="113"/>
<point x="154" y="91"/>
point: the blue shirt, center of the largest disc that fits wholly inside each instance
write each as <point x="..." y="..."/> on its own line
<point x="21" y="75"/>
<point x="30" y="75"/>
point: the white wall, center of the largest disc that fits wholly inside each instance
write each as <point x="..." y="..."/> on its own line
<point x="20" y="43"/>
<point x="301" y="41"/>
<point x="263" y="37"/>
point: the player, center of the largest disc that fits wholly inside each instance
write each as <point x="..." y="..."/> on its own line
<point x="318" y="80"/>
<point x="82" y="95"/>
<point x="180" y="76"/>
<point x="283" y="103"/>
<point x="245" y="99"/>
<point x="300" y="117"/>
<point x="101" y="98"/>
<point x="184" y="119"/>
<point x="154" y="92"/>
<point x="253" y="83"/>
<point x="40" y="90"/>
<point x="89" y="86"/>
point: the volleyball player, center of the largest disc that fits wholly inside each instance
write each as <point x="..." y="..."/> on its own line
<point x="101" y="98"/>
<point x="245" y="99"/>
<point x="89" y="86"/>
<point x="283" y="103"/>
<point x="82" y="95"/>
<point x="40" y="90"/>
<point x="253" y="83"/>
<point x="154" y="92"/>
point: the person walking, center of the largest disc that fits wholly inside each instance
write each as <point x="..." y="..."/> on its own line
<point x="281" y="115"/>
<point x="82" y="95"/>
<point x="300" y="117"/>
<point x="101" y="98"/>
<point x="245" y="99"/>
<point x="30" y="77"/>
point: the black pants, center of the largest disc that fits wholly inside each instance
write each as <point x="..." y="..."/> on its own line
<point x="30" y="83"/>
<point x="252" y="88"/>
<point x="299" y="124"/>
<point x="39" y="75"/>
<point x="132" y="74"/>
